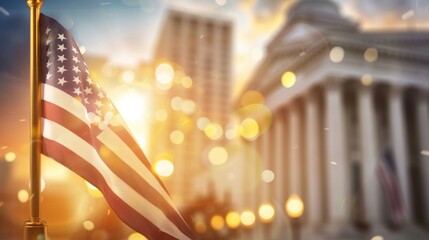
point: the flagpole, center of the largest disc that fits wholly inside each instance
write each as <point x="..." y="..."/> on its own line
<point x="35" y="228"/>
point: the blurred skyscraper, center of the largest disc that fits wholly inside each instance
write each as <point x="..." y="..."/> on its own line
<point x="196" y="102"/>
<point x="345" y="104"/>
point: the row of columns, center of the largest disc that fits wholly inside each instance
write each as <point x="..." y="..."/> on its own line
<point x="320" y="172"/>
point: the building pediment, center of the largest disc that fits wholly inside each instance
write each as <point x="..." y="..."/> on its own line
<point x="298" y="33"/>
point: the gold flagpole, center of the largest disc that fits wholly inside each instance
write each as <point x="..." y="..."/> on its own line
<point x="35" y="228"/>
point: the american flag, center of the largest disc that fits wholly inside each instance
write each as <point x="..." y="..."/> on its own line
<point x="83" y="131"/>
<point x="388" y="176"/>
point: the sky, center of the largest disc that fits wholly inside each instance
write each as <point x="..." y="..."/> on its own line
<point x="125" y="31"/>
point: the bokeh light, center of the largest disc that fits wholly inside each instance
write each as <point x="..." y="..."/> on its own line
<point x="164" y="87"/>
<point x="255" y="120"/>
<point x="233" y="220"/>
<point x="128" y="76"/>
<point x="267" y="176"/>
<point x="366" y="80"/>
<point x="249" y="129"/>
<point x="200" y="227"/>
<point x="218" y="156"/>
<point x="177" y="137"/>
<point x="82" y="49"/>
<point x="136" y="236"/>
<point x="220" y="2"/>
<point x="176" y="103"/>
<point x="288" y="79"/>
<point x="164" y="168"/>
<point x="213" y="131"/>
<point x="377" y="237"/>
<point x="217" y="222"/>
<point x="370" y="54"/>
<point x="23" y="195"/>
<point x="186" y="82"/>
<point x="164" y="73"/>
<point x="188" y="106"/>
<point x="88" y="225"/>
<point x="266" y="212"/>
<point x="247" y="218"/>
<point x="10" y="157"/>
<point x="336" y="54"/>
<point x="252" y="97"/>
<point x="232" y="133"/>
<point x="294" y="206"/>
<point x="161" y="115"/>
<point x="202" y="123"/>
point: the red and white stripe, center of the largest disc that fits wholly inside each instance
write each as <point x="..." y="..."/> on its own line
<point x="391" y="186"/>
<point x="111" y="161"/>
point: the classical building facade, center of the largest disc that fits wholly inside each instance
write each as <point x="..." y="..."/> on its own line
<point x="351" y="102"/>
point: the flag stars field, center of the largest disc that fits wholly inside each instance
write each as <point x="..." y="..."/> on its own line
<point x="61" y="81"/>
<point x="61" y="37"/>
<point x="48" y="41"/>
<point x="74" y="50"/>
<point x="76" y="69"/>
<point x="62" y="69"/>
<point x="88" y="90"/>
<point x="61" y="47"/>
<point x="77" y="91"/>
<point x="76" y="80"/>
<point x="61" y="58"/>
<point x="75" y="59"/>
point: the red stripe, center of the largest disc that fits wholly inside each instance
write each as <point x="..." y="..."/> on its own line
<point x="66" y="119"/>
<point x="123" y="171"/>
<point x="136" y="182"/>
<point x="114" y="163"/>
<point x="132" y="144"/>
<point x="78" y="165"/>
<point x="391" y="188"/>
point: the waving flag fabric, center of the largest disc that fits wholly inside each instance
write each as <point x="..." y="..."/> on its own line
<point x="83" y="131"/>
<point x="387" y="173"/>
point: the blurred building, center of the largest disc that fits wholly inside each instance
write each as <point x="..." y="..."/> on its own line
<point x="196" y="102"/>
<point x="345" y="104"/>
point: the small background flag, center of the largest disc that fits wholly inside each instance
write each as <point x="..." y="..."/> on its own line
<point x="388" y="175"/>
<point x="83" y="131"/>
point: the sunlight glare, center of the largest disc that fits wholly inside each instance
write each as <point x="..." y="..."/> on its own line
<point x="164" y="168"/>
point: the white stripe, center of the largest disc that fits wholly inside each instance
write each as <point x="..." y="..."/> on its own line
<point x="121" y="149"/>
<point x="68" y="139"/>
<point x="107" y="137"/>
<point x="62" y="99"/>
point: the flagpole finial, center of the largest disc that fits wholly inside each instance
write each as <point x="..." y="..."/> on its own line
<point x="34" y="3"/>
<point x="35" y="228"/>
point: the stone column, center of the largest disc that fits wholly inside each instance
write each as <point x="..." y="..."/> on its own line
<point x="295" y="184"/>
<point x="314" y="178"/>
<point x="399" y="145"/>
<point x="423" y="134"/>
<point x="370" y="155"/>
<point x="279" y="160"/>
<point x="266" y="159"/>
<point x="252" y="184"/>
<point x="258" y="197"/>
<point x="336" y="163"/>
